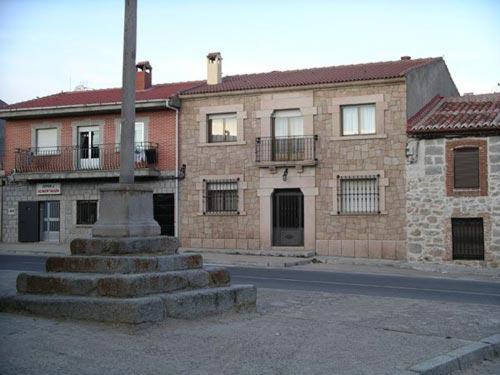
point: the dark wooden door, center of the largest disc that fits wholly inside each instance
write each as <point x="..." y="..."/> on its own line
<point x="27" y="225"/>
<point x="288" y="217"/>
<point x="164" y="213"/>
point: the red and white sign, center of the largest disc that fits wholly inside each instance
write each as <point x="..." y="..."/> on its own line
<point x="48" y="189"/>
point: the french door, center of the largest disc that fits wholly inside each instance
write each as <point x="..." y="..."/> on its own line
<point x="88" y="147"/>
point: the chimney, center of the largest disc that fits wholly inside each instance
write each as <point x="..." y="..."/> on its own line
<point x="214" y="68"/>
<point x="405" y="57"/>
<point x="143" y="75"/>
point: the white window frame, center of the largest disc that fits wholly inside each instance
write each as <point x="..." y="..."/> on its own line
<point x="202" y="119"/>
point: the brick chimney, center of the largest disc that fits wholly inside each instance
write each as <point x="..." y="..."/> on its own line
<point x="214" y="68"/>
<point x="143" y="76"/>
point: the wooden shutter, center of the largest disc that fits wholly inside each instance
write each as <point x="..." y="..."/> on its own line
<point x="466" y="168"/>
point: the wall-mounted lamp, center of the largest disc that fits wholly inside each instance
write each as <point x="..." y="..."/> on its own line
<point x="285" y="174"/>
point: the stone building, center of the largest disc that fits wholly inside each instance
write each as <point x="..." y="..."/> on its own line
<point x="453" y="181"/>
<point x="304" y="160"/>
<point x="60" y="149"/>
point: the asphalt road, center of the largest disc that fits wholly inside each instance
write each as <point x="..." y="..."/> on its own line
<point x="428" y="288"/>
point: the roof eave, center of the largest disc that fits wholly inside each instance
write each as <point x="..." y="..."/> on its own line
<point x="78" y="109"/>
<point x="400" y="79"/>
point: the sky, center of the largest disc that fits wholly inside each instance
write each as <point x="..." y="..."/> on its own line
<point x="48" y="46"/>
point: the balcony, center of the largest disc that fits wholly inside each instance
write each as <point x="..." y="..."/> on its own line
<point x="286" y="151"/>
<point x="75" y="162"/>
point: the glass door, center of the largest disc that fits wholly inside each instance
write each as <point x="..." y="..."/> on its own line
<point x="49" y="221"/>
<point x="88" y="147"/>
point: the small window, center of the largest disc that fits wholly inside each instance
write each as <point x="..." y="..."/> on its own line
<point x="468" y="238"/>
<point x="222" y="196"/>
<point x="46" y="141"/>
<point x="86" y="212"/>
<point x="358" y="194"/>
<point x="222" y="128"/>
<point x="358" y="119"/>
<point x="466" y="168"/>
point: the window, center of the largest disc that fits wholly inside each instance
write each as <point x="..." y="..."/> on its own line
<point x="221" y="196"/>
<point x="466" y="168"/>
<point x="86" y="212"/>
<point x="358" y="119"/>
<point x="46" y="141"/>
<point x="288" y="123"/>
<point x="139" y="132"/>
<point x="468" y="238"/>
<point x="358" y="194"/>
<point x="222" y="128"/>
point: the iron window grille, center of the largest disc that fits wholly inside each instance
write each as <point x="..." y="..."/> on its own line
<point x="467" y="238"/>
<point x="221" y="196"/>
<point x="358" y="194"/>
<point x="86" y="212"/>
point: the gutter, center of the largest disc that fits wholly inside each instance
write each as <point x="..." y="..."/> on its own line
<point x="78" y="109"/>
<point x="174" y="105"/>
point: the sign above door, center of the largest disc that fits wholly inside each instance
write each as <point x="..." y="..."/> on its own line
<point x="48" y="189"/>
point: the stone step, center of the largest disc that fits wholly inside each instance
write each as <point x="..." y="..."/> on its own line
<point x="120" y="285"/>
<point x="123" y="264"/>
<point x="187" y="305"/>
<point x="125" y="245"/>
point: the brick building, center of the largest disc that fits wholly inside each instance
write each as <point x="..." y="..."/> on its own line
<point x="453" y="181"/>
<point x="303" y="160"/>
<point x="59" y="149"/>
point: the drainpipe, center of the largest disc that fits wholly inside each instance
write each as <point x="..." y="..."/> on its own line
<point x="176" y="203"/>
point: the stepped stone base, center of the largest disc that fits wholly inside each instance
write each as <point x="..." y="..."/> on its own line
<point x="129" y="288"/>
<point x="186" y="305"/>
<point x="124" y="245"/>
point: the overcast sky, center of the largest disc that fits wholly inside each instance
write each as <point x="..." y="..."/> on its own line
<point x="48" y="46"/>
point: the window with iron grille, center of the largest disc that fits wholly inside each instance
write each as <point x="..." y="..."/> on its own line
<point x="468" y="238"/>
<point x="221" y="196"/>
<point x="222" y="128"/>
<point x="358" y="194"/>
<point x="466" y="168"/>
<point x="86" y="212"/>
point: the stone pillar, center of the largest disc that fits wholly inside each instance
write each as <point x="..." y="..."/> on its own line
<point x="128" y="94"/>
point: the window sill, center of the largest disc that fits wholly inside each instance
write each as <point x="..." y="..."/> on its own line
<point x="237" y="143"/>
<point x="358" y="137"/>
<point x="335" y="213"/>
<point x="468" y="193"/>
<point x="84" y="225"/>
<point x="243" y="213"/>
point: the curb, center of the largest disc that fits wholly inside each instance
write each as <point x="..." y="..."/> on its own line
<point x="461" y="358"/>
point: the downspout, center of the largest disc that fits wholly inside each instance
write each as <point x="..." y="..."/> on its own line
<point x="176" y="201"/>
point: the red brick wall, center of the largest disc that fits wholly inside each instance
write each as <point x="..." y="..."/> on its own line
<point x="161" y="131"/>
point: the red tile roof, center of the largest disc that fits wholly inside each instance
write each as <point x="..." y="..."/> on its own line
<point x="331" y="74"/>
<point x="113" y="95"/>
<point x="464" y="114"/>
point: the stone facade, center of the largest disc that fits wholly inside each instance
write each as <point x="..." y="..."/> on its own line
<point x="431" y="206"/>
<point x="71" y="192"/>
<point x="372" y="235"/>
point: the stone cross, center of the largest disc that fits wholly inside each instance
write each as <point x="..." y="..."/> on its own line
<point x="128" y="94"/>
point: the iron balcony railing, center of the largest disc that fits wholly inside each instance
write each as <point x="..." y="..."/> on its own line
<point x="105" y="157"/>
<point x="285" y="149"/>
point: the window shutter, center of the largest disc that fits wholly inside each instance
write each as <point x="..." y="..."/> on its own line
<point x="466" y="168"/>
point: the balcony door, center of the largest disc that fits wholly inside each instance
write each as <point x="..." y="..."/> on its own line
<point x="288" y="132"/>
<point x="88" y="147"/>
